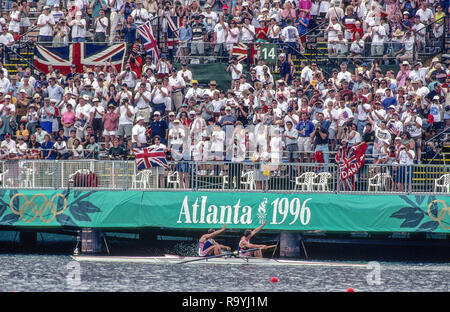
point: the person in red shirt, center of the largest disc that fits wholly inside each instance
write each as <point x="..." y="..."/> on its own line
<point x="358" y="29"/>
<point x="136" y="61"/>
<point x="262" y="31"/>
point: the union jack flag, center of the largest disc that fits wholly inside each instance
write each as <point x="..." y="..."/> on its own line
<point x="78" y="54"/>
<point x="149" y="157"/>
<point x="240" y="51"/>
<point x="173" y="23"/>
<point x="149" y="41"/>
<point x="350" y="160"/>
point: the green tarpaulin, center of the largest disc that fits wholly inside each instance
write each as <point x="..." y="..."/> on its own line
<point x="191" y="210"/>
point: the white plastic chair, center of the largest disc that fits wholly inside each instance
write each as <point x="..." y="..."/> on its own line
<point x="375" y="182"/>
<point x="141" y="179"/>
<point x="442" y="183"/>
<point x="226" y="180"/>
<point x="248" y="180"/>
<point x="305" y="181"/>
<point x="322" y="183"/>
<point x="173" y="178"/>
<point x="379" y="181"/>
<point x="26" y="178"/>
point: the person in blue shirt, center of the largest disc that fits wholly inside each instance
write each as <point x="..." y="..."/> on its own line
<point x="129" y="34"/>
<point x="406" y="22"/>
<point x="47" y="152"/>
<point x="304" y="128"/>
<point x="302" y="25"/>
<point x="159" y="127"/>
<point x="127" y="8"/>
<point x="285" y="69"/>
<point x="389" y="100"/>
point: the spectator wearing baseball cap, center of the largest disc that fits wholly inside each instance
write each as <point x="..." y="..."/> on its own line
<point x="45" y="24"/>
<point x="159" y="127"/>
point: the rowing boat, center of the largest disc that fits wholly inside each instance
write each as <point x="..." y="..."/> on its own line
<point x="175" y="259"/>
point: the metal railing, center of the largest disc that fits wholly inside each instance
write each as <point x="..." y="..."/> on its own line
<point x="224" y="176"/>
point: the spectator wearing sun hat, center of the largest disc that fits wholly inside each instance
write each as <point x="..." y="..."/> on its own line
<point x="138" y="136"/>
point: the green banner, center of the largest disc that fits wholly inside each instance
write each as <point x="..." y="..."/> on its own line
<point x="268" y="53"/>
<point x="202" y="210"/>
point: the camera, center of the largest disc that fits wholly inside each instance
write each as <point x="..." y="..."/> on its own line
<point x="447" y="108"/>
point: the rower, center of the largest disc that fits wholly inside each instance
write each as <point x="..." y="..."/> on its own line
<point x="207" y="246"/>
<point x="244" y="243"/>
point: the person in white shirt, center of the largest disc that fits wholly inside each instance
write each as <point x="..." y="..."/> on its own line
<point x="220" y="36"/>
<point x="344" y="117"/>
<point x="341" y="44"/>
<point x="334" y="10"/>
<point x="128" y="76"/>
<point x="140" y="15"/>
<point x="115" y="18"/>
<point x="217" y="143"/>
<point x="100" y="26"/>
<point x="15" y="18"/>
<point x="78" y="28"/>
<point x="307" y="73"/>
<point x="425" y="14"/>
<point x="126" y="114"/>
<point x="405" y="157"/>
<point x="138" y="137"/>
<point x="97" y="112"/>
<point x="185" y="74"/>
<point x="413" y="124"/>
<point x="289" y="35"/>
<point x="235" y="68"/>
<point x="45" y="23"/>
<point x="142" y="100"/>
<point x="4" y="82"/>
<point x="60" y="148"/>
<point x="332" y="33"/>
<point x="194" y="92"/>
<point x="6" y="38"/>
<point x="378" y="38"/>
<point x="178" y="84"/>
<point x="247" y="31"/>
<point x="420" y="31"/>
<point x="82" y="115"/>
<point x="159" y="96"/>
<point x="363" y="110"/>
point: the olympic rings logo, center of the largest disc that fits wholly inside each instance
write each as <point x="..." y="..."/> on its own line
<point x="441" y="214"/>
<point x="47" y="206"/>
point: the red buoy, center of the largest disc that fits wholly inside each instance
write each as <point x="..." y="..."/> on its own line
<point x="274" y="279"/>
<point x="350" y="289"/>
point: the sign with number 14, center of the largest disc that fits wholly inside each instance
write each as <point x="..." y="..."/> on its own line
<point x="268" y="53"/>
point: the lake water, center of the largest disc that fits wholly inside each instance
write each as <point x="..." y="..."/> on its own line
<point x="49" y="273"/>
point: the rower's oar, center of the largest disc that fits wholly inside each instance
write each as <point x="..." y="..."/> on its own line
<point x="234" y="253"/>
<point x="303" y="245"/>
<point x="273" y="253"/>
<point x="261" y="248"/>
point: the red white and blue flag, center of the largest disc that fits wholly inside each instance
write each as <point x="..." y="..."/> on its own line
<point x="149" y="41"/>
<point x="150" y="157"/>
<point x="79" y="54"/>
<point x="350" y="159"/>
<point x="173" y="24"/>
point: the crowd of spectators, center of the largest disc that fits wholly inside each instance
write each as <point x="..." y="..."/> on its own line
<point x="104" y="114"/>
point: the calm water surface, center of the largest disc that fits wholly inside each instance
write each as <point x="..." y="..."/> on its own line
<point x="44" y="273"/>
